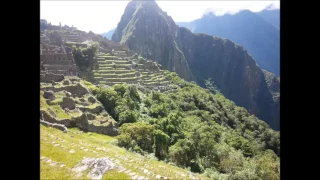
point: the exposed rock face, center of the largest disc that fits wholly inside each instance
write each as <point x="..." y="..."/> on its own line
<point x="66" y="82"/>
<point x="68" y="94"/>
<point x="260" y="38"/>
<point x="68" y="103"/>
<point x="273" y="84"/>
<point x="152" y="36"/>
<point x="145" y="28"/>
<point x="91" y="99"/>
<point x="96" y="110"/>
<point x="82" y="122"/>
<point x="272" y="81"/>
<point x="49" y="95"/>
<point x="48" y="78"/>
<point x="90" y="116"/>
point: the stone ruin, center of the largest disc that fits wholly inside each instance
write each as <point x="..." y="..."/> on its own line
<point x="55" y="59"/>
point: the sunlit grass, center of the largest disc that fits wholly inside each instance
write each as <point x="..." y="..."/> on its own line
<point x="75" y="140"/>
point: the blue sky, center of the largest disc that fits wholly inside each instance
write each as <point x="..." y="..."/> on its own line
<point x="102" y="16"/>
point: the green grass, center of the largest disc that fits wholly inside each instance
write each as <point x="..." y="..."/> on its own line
<point x="93" y="105"/>
<point x="43" y="102"/>
<point x="56" y="101"/>
<point x="112" y="175"/>
<point x="61" y="114"/>
<point x="89" y="85"/>
<point x="49" y="172"/>
<point x="91" y="141"/>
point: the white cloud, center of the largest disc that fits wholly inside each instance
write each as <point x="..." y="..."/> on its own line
<point x="102" y="16"/>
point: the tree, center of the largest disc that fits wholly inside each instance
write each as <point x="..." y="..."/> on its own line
<point x="128" y="116"/>
<point x="211" y="86"/>
<point x="161" y="143"/>
<point x="140" y="132"/>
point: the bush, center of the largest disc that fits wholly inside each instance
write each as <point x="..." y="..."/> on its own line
<point x="140" y="132"/>
<point x="128" y="116"/>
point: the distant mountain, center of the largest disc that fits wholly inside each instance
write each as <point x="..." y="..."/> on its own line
<point x="272" y="16"/>
<point x="108" y="34"/>
<point x="254" y="33"/>
<point x="153" y="34"/>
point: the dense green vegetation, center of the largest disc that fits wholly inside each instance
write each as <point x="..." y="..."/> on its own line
<point x="85" y="60"/>
<point x="193" y="128"/>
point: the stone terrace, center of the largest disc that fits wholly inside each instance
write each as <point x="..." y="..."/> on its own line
<point x="72" y="36"/>
<point x="116" y="68"/>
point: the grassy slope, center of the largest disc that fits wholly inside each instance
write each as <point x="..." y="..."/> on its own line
<point x="92" y="141"/>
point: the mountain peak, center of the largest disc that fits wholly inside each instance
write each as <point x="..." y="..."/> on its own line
<point x="150" y="32"/>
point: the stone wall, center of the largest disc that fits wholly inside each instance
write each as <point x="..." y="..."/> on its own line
<point x="56" y="38"/>
<point x="57" y="60"/>
<point x="53" y="57"/>
<point x="54" y="125"/>
<point x="48" y="78"/>
<point x="60" y="67"/>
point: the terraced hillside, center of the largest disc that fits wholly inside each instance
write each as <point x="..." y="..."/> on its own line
<point x="66" y="100"/>
<point x="117" y="68"/>
<point x="71" y="156"/>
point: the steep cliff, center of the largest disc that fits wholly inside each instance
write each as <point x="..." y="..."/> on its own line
<point x="146" y="29"/>
<point x="260" y="38"/>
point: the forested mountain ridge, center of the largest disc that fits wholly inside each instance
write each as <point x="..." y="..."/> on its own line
<point x="149" y="31"/>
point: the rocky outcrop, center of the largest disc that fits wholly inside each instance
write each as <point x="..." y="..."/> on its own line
<point x="49" y="95"/>
<point x="82" y="122"/>
<point x="66" y="82"/>
<point x="98" y="167"/>
<point x="273" y="84"/>
<point x="91" y="99"/>
<point x="272" y="81"/>
<point x="145" y="28"/>
<point x="90" y="116"/>
<point x="68" y="102"/>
